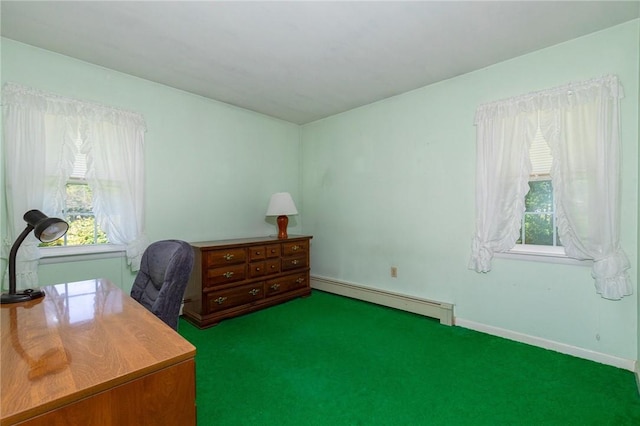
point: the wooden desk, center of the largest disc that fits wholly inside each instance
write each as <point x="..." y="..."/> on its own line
<point x="88" y="354"/>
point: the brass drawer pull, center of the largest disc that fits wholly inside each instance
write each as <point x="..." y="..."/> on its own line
<point x="227" y="274"/>
<point x="295" y="248"/>
<point x="300" y="280"/>
<point x="294" y="262"/>
<point x="220" y="300"/>
<point x="257" y="253"/>
<point x="254" y="291"/>
<point x="228" y="256"/>
<point x="275" y="286"/>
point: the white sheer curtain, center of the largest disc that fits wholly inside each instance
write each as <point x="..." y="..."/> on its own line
<point x="583" y="133"/>
<point x="503" y="168"/>
<point x="40" y="132"/>
<point x="114" y="155"/>
<point x="580" y="121"/>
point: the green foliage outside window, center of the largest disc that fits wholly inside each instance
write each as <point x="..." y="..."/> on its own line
<point x="83" y="229"/>
<point x="539" y="215"/>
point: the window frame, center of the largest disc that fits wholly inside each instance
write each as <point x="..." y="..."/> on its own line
<point x="75" y="180"/>
<point x="541" y="254"/>
<point x="61" y="254"/>
<point x="84" y="252"/>
<point x="541" y="164"/>
<point x="552" y="212"/>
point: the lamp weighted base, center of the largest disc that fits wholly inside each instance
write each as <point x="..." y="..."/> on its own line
<point x="282" y="221"/>
<point x="21" y="296"/>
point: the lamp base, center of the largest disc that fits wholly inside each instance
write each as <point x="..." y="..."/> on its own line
<point x="283" y="221"/>
<point x="21" y="296"/>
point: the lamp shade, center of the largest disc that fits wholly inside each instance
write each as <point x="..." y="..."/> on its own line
<point x="280" y="204"/>
<point x="45" y="228"/>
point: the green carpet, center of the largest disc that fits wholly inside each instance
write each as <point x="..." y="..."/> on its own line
<point x="330" y="360"/>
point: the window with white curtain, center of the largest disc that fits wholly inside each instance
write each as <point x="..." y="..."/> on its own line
<point x="580" y="124"/>
<point x="538" y="227"/>
<point x="84" y="229"/>
<point x="44" y="135"/>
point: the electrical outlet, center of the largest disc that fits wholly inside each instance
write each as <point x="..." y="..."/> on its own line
<point x="394" y="272"/>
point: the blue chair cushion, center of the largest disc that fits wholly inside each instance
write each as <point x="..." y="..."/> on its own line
<point x="165" y="269"/>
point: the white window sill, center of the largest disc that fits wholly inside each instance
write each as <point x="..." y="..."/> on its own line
<point x="80" y="253"/>
<point x="546" y="254"/>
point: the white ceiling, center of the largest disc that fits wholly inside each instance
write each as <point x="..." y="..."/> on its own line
<point x="302" y="61"/>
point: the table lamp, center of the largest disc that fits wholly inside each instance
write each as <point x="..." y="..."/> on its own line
<point x="281" y="205"/>
<point x="46" y="229"/>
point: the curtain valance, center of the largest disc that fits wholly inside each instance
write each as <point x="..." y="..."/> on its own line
<point x="26" y="97"/>
<point x="566" y="96"/>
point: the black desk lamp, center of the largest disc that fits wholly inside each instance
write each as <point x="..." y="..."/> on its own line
<point x="46" y="229"/>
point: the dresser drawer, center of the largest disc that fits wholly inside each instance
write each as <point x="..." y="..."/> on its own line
<point x="257" y="253"/>
<point x="284" y="284"/>
<point x="257" y="269"/>
<point x="225" y="299"/>
<point x="225" y="275"/>
<point x="294" y="262"/>
<point x="273" y="250"/>
<point x="268" y="267"/>
<point x="295" y="248"/>
<point x="272" y="266"/>
<point x="222" y="257"/>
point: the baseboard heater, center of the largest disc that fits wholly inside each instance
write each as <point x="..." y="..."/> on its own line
<point x="429" y="308"/>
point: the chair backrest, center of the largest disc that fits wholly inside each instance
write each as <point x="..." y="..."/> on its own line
<point x="162" y="279"/>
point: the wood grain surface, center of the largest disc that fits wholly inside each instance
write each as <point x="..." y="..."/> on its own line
<point x="84" y="339"/>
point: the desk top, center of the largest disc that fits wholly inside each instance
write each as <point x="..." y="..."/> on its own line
<point x="80" y="339"/>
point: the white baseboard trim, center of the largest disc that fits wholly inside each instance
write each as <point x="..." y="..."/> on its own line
<point x="440" y="310"/>
<point x="444" y="312"/>
<point x="590" y="355"/>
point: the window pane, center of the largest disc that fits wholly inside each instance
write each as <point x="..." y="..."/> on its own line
<point x="83" y="229"/>
<point x="538" y="229"/>
<point x="540" y="196"/>
<point x="79" y="199"/>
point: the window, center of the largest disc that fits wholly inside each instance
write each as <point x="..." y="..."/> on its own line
<point x="539" y="225"/>
<point x="580" y="122"/>
<point x="41" y="141"/>
<point x="78" y="213"/>
<point x="78" y="209"/>
<point x="539" y="219"/>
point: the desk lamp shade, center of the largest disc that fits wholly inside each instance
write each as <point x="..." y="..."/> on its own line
<point x="46" y="229"/>
<point x="281" y="205"/>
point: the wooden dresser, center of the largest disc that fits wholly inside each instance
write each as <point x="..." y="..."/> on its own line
<point x="234" y="277"/>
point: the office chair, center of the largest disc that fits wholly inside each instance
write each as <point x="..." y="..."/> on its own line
<point x="162" y="279"/>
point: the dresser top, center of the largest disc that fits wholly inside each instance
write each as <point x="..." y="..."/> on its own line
<point x="249" y="241"/>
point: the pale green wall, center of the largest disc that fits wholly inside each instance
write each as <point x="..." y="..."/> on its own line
<point x="392" y="183"/>
<point x="114" y="268"/>
<point x="210" y="167"/>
